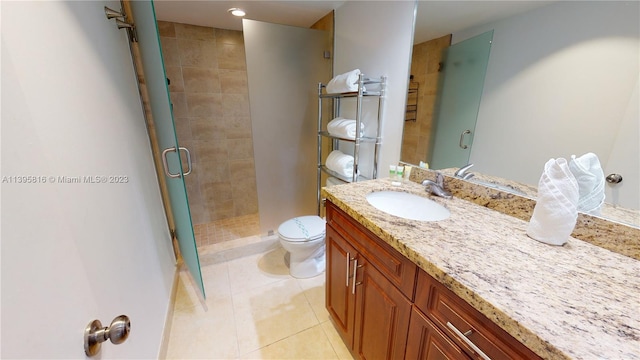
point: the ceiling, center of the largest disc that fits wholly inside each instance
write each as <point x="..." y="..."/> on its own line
<point x="438" y="18"/>
<point x="214" y="13"/>
<point x="434" y="18"/>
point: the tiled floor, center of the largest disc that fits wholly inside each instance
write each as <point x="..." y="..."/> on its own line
<point x="227" y="229"/>
<point x="254" y="309"/>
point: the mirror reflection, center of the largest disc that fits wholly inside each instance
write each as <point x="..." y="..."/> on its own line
<point x="562" y="79"/>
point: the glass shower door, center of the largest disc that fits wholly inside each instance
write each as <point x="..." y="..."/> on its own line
<point x="161" y="108"/>
<point x="459" y="94"/>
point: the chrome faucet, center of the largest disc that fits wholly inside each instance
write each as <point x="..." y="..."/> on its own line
<point x="437" y="187"/>
<point x="463" y="174"/>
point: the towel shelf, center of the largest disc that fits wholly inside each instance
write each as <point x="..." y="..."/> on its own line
<point x="362" y="138"/>
<point x="341" y="177"/>
<point x="349" y="94"/>
<point x="411" y="113"/>
<point x="376" y="94"/>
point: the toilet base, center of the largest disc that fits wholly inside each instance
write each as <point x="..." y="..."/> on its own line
<point x="303" y="267"/>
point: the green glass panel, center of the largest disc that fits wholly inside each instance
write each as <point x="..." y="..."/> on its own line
<point x="161" y="108"/>
<point x="458" y="100"/>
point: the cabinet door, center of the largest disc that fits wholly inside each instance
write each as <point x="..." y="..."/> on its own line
<point x="339" y="298"/>
<point x="382" y="315"/>
<point x="427" y="342"/>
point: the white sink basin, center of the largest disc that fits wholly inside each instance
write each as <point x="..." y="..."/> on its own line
<point x="408" y="206"/>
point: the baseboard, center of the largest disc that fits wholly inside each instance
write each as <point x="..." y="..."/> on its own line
<point x="168" y="322"/>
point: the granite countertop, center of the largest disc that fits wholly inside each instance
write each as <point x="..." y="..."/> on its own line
<point x="577" y="301"/>
<point x="629" y="217"/>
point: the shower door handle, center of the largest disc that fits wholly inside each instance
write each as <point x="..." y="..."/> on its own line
<point x="188" y="160"/>
<point x="466" y="132"/>
<point x="165" y="163"/>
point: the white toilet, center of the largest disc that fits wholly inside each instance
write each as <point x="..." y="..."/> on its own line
<point x="303" y="238"/>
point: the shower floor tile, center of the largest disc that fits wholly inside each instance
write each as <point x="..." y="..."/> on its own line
<point x="224" y="230"/>
<point x="254" y="310"/>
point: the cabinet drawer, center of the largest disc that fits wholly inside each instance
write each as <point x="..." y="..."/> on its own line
<point x="427" y="342"/>
<point x="446" y="309"/>
<point x="399" y="270"/>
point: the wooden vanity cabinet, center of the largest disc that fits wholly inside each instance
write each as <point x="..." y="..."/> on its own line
<point x="384" y="307"/>
<point x="448" y="311"/>
<point x="340" y="301"/>
<point x="369" y="310"/>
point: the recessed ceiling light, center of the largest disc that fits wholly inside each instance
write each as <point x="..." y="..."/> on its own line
<point x="237" y="12"/>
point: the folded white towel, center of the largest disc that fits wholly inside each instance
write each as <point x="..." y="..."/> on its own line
<point x="347" y="82"/>
<point x="556" y="210"/>
<point x="345" y="128"/>
<point x="331" y="181"/>
<point x="340" y="163"/>
<point x="588" y="172"/>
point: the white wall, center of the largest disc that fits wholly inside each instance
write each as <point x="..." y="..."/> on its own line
<point x="376" y="37"/>
<point x="76" y="252"/>
<point x="625" y="157"/>
<point x="559" y="82"/>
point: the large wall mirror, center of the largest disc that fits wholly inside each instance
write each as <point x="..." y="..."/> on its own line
<point x="562" y="79"/>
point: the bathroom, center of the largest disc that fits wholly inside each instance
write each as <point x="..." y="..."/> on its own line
<point x="222" y="191"/>
<point x="276" y="258"/>
<point x="35" y="215"/>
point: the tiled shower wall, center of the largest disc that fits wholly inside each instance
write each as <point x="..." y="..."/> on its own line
<point x="208" y="86"/>
<point x="425" y="61"/>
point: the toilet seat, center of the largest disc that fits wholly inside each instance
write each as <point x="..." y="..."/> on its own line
<point x="302" y="229"/>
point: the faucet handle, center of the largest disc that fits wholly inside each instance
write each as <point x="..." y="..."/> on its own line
<point x="463" y="171"/>
<point x="440" y="179"/>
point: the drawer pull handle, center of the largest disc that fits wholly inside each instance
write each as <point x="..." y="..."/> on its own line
<point x="467" y="341"/>
<point x="355" y="270"/>
<point x="347" y="271"/>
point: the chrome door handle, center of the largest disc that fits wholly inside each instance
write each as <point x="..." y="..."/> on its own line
<point x="355" y="275"/>
<point x="188" y="160"/>
<point x="466" y="132"/>
<point x="614" y="178"/>
<point x="166" y="164"/>
<point x="355" y="270"/>
<point x="349" y="259"/>
<point x="467" y="341"/>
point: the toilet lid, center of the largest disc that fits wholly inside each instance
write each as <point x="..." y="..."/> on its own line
<point x="303" y="228"/>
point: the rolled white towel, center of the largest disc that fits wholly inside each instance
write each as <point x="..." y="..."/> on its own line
<point x="347" y="82"/>
<point x="588" y="172"/>
<point x="345" y="128"/>
<point x="340" y="163"/>
<point x="556" y="210"/>
<point x="331" y="181"/>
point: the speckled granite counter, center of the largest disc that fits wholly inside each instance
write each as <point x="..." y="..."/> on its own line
<point x="620" y="236"/>
<point x="577" y="301"/>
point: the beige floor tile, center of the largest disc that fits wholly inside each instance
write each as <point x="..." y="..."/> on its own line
<point x="336" y="341"/>
<point x="270" y="313"/>
<point x="308" y="344"/>
<point x="197" y="333"/>
<point x="257" y="270"/>
<point x="216" y="281"/>
<point x="254" y="308"/>
<point x="216" y="286"/>
<point x="313" y="290"/>
<point x="187" y="295"/>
